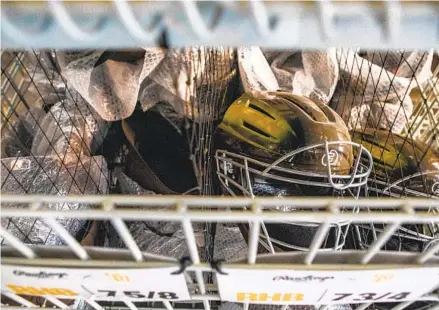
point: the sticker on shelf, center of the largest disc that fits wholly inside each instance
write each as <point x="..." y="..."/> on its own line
<point x="273" y="286"/>
<point x="101" y="284"/>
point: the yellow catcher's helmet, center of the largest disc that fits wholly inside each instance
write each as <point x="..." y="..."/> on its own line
<point x="402" y="166"/>
<point x="268" y="128"/>
<point x="280" y="144"/>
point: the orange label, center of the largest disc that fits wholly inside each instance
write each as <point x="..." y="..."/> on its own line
<point x="118" y="277"/>
<point x="30" y="290"/>
<point x="244" y="296"/>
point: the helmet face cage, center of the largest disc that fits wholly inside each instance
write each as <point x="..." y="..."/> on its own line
<point x="416" y="237"/>
<point x="403" y="167"/>
<point x="402" y="187"/>
<point x="241" y="175"/>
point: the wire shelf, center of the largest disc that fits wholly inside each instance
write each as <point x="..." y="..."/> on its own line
<point x="121" y="24"/>
<point x="186" y="210"/>
<point x="61" y="158"/>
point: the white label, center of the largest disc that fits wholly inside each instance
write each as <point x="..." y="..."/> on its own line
<point x="333" y="158"/>
<point x="108" y="284"/>
<point x="20" y="164"/>
<point x="325" y="287"/>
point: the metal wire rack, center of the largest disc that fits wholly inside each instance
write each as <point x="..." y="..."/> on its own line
<point x="186" y="210"/>
<point x="119" y="24"/>
<point x="60" y="164"/>
<point x="61" y="158"/>
<point x="384" y="180"/>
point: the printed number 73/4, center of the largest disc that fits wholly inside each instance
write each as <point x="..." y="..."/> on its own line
<point x="371" y="296"/>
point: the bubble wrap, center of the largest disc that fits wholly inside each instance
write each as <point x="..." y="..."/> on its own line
<point x="256" y="74"/>
<point x="229" y="244"/>
<point x="18" y="134"/>
<point x="46" y="86"/>
<point x="373" y="90"/>
<point x="70" y="125"/>
<point x="305" y="73"/>
<point x="49" y="176"/>
<point x="184" y="77"/>
<point x="156" y="237"/>
<point x="112" y="86"/>
<point x="38" y="78"/>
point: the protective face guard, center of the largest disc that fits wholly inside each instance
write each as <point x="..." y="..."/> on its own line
<point x="430" y="232"/>
<point x="404" y="239"/>
<point x="230" y="166"/>
<point x="241" y="175"/>
<point x="398" y="188"/>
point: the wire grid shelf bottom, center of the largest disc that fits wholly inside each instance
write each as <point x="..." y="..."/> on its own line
<point x="189" y="210"/>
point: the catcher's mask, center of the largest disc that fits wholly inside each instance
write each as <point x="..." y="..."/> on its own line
<point x="402" y="167"/>
<point x="280" y="144"/>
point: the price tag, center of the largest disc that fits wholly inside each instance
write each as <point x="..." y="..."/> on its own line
<point x="272" y="286"/>
<point x="102" y="284"/>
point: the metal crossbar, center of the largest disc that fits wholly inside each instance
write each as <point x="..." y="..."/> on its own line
<point x="58" y="24"/>
<point x="186" y="210"/>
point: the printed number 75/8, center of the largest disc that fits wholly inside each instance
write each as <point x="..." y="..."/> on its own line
<point x="372" y="296"/>
<point x="137" y="294"/>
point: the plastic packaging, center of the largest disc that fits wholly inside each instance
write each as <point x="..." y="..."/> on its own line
<point x="192" y="81"/>
<point x="70" y="128"/>
<point x="155" y="237"/>
<point x="50" y="176"/>
<point x="109" y="81"/>
<point x="112" y="82"/>
<point x="311" y="74"/>
<point x="229" y="244"/>
<point x="373" y="90"/>
<point x="43" y="79"/>
<point x="18" y="134"/>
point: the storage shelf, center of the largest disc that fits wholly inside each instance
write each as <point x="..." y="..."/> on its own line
<point x="271" y="24"/>
<point x="187" y="210"/>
